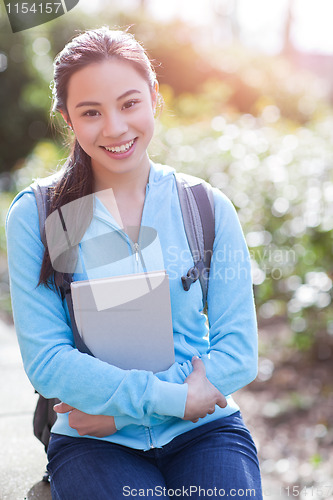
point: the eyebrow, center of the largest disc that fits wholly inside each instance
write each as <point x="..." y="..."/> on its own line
<point x="93" y="103"/>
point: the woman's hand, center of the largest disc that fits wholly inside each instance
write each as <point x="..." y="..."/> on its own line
<point x="202" y="396"/>
<point x="85" y="424"/>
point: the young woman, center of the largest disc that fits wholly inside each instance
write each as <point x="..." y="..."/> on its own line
<point x="123" y="433"/>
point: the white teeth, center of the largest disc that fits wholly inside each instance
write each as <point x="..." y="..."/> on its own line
<point x="121" y="149"/>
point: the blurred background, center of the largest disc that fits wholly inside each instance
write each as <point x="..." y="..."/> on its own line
<point x="248" y="94"/>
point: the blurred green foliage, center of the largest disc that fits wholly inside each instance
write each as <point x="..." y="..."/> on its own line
<point x="23" y="105"/>
<point x="253" y="126"/>
<point x="279" y="176"/>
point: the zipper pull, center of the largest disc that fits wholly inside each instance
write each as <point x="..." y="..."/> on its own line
<point x="136" y="249"/>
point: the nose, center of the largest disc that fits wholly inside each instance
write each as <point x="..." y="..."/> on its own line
<point x="114" y="124"/>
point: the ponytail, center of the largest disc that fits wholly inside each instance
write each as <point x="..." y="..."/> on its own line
<point x="76" y="182"/>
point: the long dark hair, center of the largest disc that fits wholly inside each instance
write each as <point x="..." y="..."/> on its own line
<point x="76" y="180"/>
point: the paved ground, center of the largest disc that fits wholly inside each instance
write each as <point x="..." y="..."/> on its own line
<point x="22" y="456"/>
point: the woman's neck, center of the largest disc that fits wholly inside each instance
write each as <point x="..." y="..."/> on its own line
<point x="124" y="195"/>
<point x="128" y="184"/>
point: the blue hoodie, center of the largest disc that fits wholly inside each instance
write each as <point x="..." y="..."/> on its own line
<point x="148" y="408"/>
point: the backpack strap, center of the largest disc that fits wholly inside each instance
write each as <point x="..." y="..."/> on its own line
<point x="42" y="190"/>
<point x="197" y="205"/>
<point x="43" y="203"/>
<point x="66" y="290"/>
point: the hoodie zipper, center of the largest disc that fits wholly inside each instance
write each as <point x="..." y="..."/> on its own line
<point x="150" y="438"/>
<point x="134" y="246"/>
<point x="136" y="251"/>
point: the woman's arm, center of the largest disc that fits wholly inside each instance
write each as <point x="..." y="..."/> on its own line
<point x="231" y="362"/>
<point x="53" y="365"/>
<point x="202" y="397"/>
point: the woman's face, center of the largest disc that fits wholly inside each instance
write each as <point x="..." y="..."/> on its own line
<point x="111" y="110"/>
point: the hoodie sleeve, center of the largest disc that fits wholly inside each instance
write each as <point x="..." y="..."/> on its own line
<point x="231" y="361"/>
<point x="54" y="366"/>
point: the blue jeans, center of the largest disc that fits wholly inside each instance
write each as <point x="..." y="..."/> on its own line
<point x="215" y="460"/>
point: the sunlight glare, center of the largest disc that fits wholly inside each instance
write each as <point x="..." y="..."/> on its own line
<point x="313" y="27"/>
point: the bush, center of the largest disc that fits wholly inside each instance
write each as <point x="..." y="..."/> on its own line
<point x="281" y="182"/>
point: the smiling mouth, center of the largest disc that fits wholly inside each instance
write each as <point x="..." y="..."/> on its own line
<point x="120" y="149"/>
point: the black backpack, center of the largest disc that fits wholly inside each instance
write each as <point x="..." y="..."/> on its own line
<point x="197" y="206"/>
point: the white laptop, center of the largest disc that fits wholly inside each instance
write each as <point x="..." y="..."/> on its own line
<point x="126" y="320"/>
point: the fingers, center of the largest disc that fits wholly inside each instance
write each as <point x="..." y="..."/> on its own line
<point x="63" y="408"/>
<point x="209" y="412"/>
<point x="221" y="401"/>
<point x="198" y="366"/>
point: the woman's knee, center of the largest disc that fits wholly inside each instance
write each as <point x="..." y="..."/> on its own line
<point x="85" y="468"/>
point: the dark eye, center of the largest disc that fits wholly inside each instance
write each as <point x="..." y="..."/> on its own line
<point x="130" y="104"/>
<point x="91" y="112"/>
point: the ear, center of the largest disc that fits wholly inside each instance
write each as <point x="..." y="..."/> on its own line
<point x="66" y="118"/>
